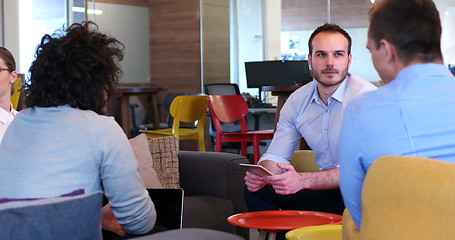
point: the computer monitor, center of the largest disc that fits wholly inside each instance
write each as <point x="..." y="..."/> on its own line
<point x="277" y="73"/>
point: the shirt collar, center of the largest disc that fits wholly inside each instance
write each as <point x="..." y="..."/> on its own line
<point x="337" y="95"/>
<point x="4" y="114"/>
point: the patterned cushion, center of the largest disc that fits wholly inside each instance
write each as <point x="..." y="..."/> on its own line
<point x="164" y="151"/>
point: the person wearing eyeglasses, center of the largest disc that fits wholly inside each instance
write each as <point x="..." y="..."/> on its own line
<point x="8" y="75"/>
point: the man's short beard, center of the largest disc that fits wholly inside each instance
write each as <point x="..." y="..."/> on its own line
<point x="331" y="84"/>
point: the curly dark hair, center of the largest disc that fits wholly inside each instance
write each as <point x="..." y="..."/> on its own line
<point x="78" y="66"/>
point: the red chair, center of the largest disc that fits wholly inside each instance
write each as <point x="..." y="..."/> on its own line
<point x="231" y="108"/>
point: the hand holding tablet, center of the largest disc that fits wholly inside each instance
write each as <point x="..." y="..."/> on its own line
<point x="256" y="169"/>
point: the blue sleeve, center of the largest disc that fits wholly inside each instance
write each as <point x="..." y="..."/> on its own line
<point x="352" y="173"/>
<point x="285" y="138"/>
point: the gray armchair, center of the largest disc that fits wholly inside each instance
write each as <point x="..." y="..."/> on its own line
<point x="213" y="184"/>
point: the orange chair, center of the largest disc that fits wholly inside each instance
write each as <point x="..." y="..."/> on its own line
<point x="231" y="108"/>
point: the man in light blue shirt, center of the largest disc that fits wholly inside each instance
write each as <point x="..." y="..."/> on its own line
<point x="414" y="113"/>
<point x="313" y="112"/>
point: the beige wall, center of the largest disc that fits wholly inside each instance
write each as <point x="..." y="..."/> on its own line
<point x="215" y="41"/>
<point x="11" y="26"/>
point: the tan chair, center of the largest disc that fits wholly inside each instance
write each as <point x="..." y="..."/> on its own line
<point x="406" y="198"/>
<point x="303" y="161"/>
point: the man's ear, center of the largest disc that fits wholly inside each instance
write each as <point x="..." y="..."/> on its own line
<point x="309" y="61"/>
<point x="389" y="51"/>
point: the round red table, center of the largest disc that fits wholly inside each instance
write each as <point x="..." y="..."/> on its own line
<point x="279" y="220"/>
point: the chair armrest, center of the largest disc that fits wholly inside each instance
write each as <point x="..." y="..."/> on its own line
<point x="350" y="231"/>
<point x="215" y="174"/>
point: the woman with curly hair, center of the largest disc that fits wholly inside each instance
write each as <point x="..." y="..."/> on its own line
<point x="8" y="75"/>
<point x="62" y="142"/>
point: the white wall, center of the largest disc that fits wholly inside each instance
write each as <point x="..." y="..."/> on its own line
<point x="11" y="27"/>
<point x="130" y="25"/>
<point x="272" y="29"/>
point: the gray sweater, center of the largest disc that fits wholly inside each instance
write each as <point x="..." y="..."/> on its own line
<point x="47" y="152"/>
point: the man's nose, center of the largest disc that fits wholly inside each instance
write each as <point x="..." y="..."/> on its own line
<point x="329" y="60"/>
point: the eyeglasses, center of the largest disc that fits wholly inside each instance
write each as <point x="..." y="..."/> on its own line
<point x="5" y="69"/>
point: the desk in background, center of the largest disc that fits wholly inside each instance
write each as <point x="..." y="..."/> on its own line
<point x="257" y="112"/>
<point x="123" y="93"/>
<point x="283" y="93"/>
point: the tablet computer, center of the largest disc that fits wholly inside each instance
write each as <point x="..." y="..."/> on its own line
<point x="256" y="169"/>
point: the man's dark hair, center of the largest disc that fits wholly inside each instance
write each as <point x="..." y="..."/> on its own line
<point x="412" y="26"/>
<point x="329" y="27"/>
<point x="77" y="66"/>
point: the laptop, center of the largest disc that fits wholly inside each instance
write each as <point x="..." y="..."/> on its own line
<point x="169" y="206"/>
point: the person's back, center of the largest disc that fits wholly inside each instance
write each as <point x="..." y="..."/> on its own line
<point x="63" y="147"/>
<point x="63" y="143"/>
<point x="412" y="114"/>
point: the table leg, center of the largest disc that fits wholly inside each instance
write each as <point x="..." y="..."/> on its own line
<point x="261" y="235"/>
<point x="125" y="115"/>
<point x="272" y="235"/>
<point x="154" y="111"/>
<point x="281" y="100"/>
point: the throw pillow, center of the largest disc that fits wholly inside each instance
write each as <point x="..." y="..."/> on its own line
<point x="140" y="147"/>
<point x="164" y="152"/>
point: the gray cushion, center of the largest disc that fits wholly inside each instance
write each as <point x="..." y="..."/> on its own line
<point x="73" y="218"/>
<point x="191" y="234"/>
<point x="207" y="212"/>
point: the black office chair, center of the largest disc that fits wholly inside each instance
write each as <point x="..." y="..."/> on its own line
<point x="223" y="89"/>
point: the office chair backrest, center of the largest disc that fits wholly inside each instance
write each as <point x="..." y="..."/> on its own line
<point x="222" y="89"/>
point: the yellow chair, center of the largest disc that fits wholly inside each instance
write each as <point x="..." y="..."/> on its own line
<point x="16" y="92"/>
<point x="188" y="109"/>
<point x="321" y="232"/>
<point x="406" y="198"/>
<point x="303" y="161"/>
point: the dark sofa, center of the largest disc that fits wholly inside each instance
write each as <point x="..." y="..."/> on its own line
<point x="213" y="185"/>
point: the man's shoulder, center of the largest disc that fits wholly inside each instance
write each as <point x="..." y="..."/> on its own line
<point x="304" y="91"/>
<point x="357" y="86"/>
<point x="360" y="84"/>
<point x="366" y="100"/>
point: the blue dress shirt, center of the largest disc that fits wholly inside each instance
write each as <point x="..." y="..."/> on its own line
<point x="412" y="115"/>
<point x="305" y="115"/>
